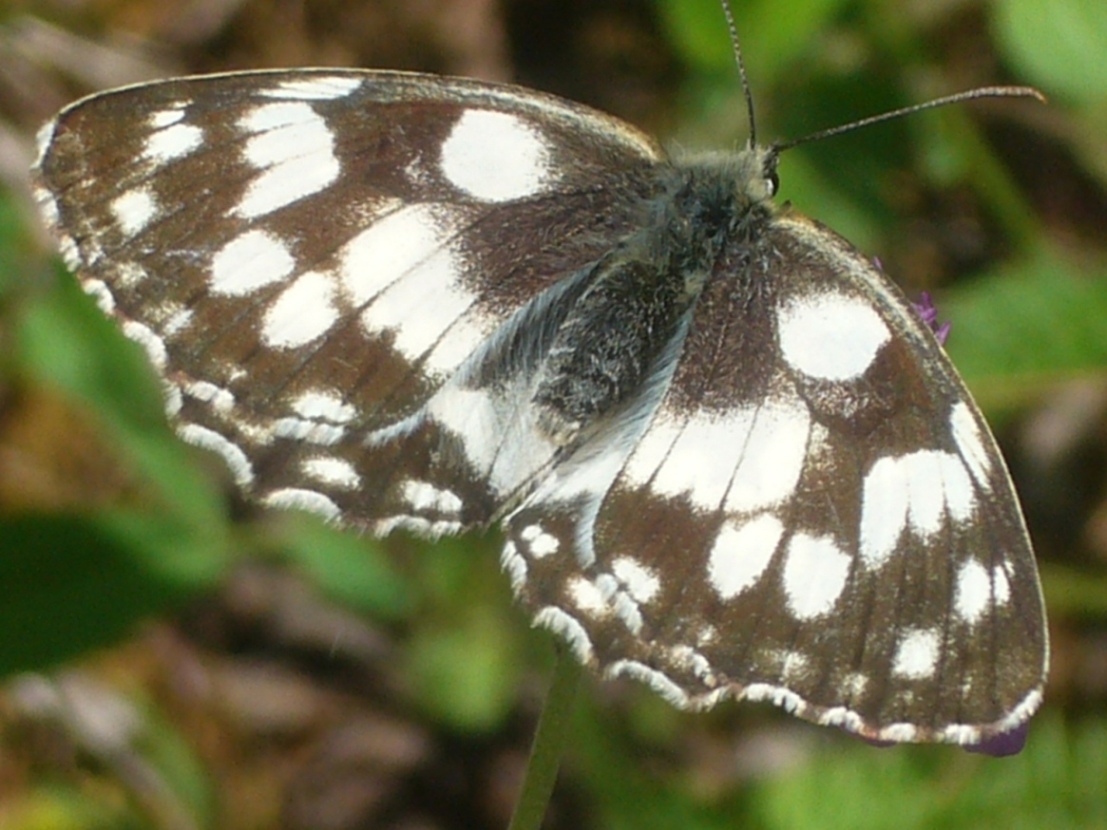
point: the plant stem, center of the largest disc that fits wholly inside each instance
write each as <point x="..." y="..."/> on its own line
<point x="550" y="740"/>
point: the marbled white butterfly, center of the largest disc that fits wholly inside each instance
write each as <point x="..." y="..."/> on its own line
<point x="728" y="458"/>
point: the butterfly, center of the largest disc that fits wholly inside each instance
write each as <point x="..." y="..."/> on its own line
<point x="728" y="458"/>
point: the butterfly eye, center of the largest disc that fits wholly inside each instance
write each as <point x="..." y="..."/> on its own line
<point x="773" y="181"/>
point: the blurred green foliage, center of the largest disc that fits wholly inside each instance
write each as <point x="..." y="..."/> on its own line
<point x="81" y="579"/>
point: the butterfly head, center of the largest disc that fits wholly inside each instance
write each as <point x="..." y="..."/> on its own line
<point x="755" y="172"/>
<point x="734" y="182"/>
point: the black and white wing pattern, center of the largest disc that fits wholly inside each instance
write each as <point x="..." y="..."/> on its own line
<point x="729" y="459"/>
<point x="816" y="515"/>
<point x="309" y="256"/>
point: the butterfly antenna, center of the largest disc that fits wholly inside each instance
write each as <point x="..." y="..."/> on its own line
<point x="733" y="28"/>
<point x="968" y="95"/>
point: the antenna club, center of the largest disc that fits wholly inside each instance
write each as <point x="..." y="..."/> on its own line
<point x="945" y="100"/>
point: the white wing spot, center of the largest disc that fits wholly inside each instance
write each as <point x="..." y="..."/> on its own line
<point x="99" y="291"/>
<point x="957" y="487"/>
<point x="587" y="597"/>
<point x="657" y="681"/>
<point x="323" y="416"/>
<point x="134" y="210"/>
<point x="496" y="157"/>
<point x="648" y="463"/>
<point x="336" y="472"/>
<point x="937" y="483"/>
<point x="265" y="118"/>
<point x="304" y="311"/>
<point x="424" y="497"/>
<point x="970" y="441"/>
<point x="44" y="140"/>
<point x="311" y="432"/>
<point x="295" y="150"/>
<point x="1001" y="586"/>
<point x="751" y="458"/>
<point x="831" y="336"/>
<point x="974" y="591"/>
<point x="324" y="406"/>
<point x="407" y="266"/>
<point x="298" y="498"/>
<point x="460" y="340"/>
<point x="47" y="204"/>
<point x="249" y="262"/>
<point x="883" y="510"/>
<point x="854" y="684"/>
<point x="72" y="255"/>
<point x="322" y="88"/>
<point x="540" y="544"/>
<point x="841" y="717"/>
<point x="900" y="733"/>
<point x="925" y="497"/>
<point x="917" y="654"/>
<point x="566" y="627"/>
<point x="641" y="581"/>
<point x="688" y="659"/>
<point x="173" y="399"/>
<point x="166" y="118"/>
<point x="417" y="525"/>
<point x="921" y="490"/>
<point x="627" y="610"/>
<point x="514" y="565"/>
<point x="127" y="274"/>
<point x="419" y="309"/>
<point x="814" y="575"/>
<point x="150" y="342"/>
<point x="786" y="699"/>
<point x="221" y="400"/>
<point x="390" y="248"/>
<point x="741" y="553"/>
<point x="472" y="416"/>
<point x="241" y="469"/>
<point x="772" y="457"/>
<point x="171" y="143"/>
<point x="707" y="635"/>
<point x="792" y="665"/>
<point x="177" y="321"/>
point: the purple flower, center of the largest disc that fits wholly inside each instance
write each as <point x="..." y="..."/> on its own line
<point x="928" y="313"/>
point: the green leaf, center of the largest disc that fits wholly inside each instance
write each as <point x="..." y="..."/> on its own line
<point x="1031" y="324"/>
<point x="465" y="650"/>
<point x="1058" y="44"/>
<point x="16" y="245"/>
<point x="70" y="583"/>
<point x="189" y="785"/>
<point x="773" y="35"/>
<point x="348" y="568"/>
<point x="1054" y="782"/>
<point x="65" y="342"/>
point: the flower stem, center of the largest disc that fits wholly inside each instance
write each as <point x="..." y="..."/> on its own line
<point x="550" y="740"/>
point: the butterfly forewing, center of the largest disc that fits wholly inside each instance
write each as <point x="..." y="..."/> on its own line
<point x="729" y="459"/>
<point x="310" y="255"/>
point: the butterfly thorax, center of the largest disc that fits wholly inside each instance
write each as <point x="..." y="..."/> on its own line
<point x="641" y="295"/>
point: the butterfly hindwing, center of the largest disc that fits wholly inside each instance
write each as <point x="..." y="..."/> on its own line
<point x="816" y="515"/>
